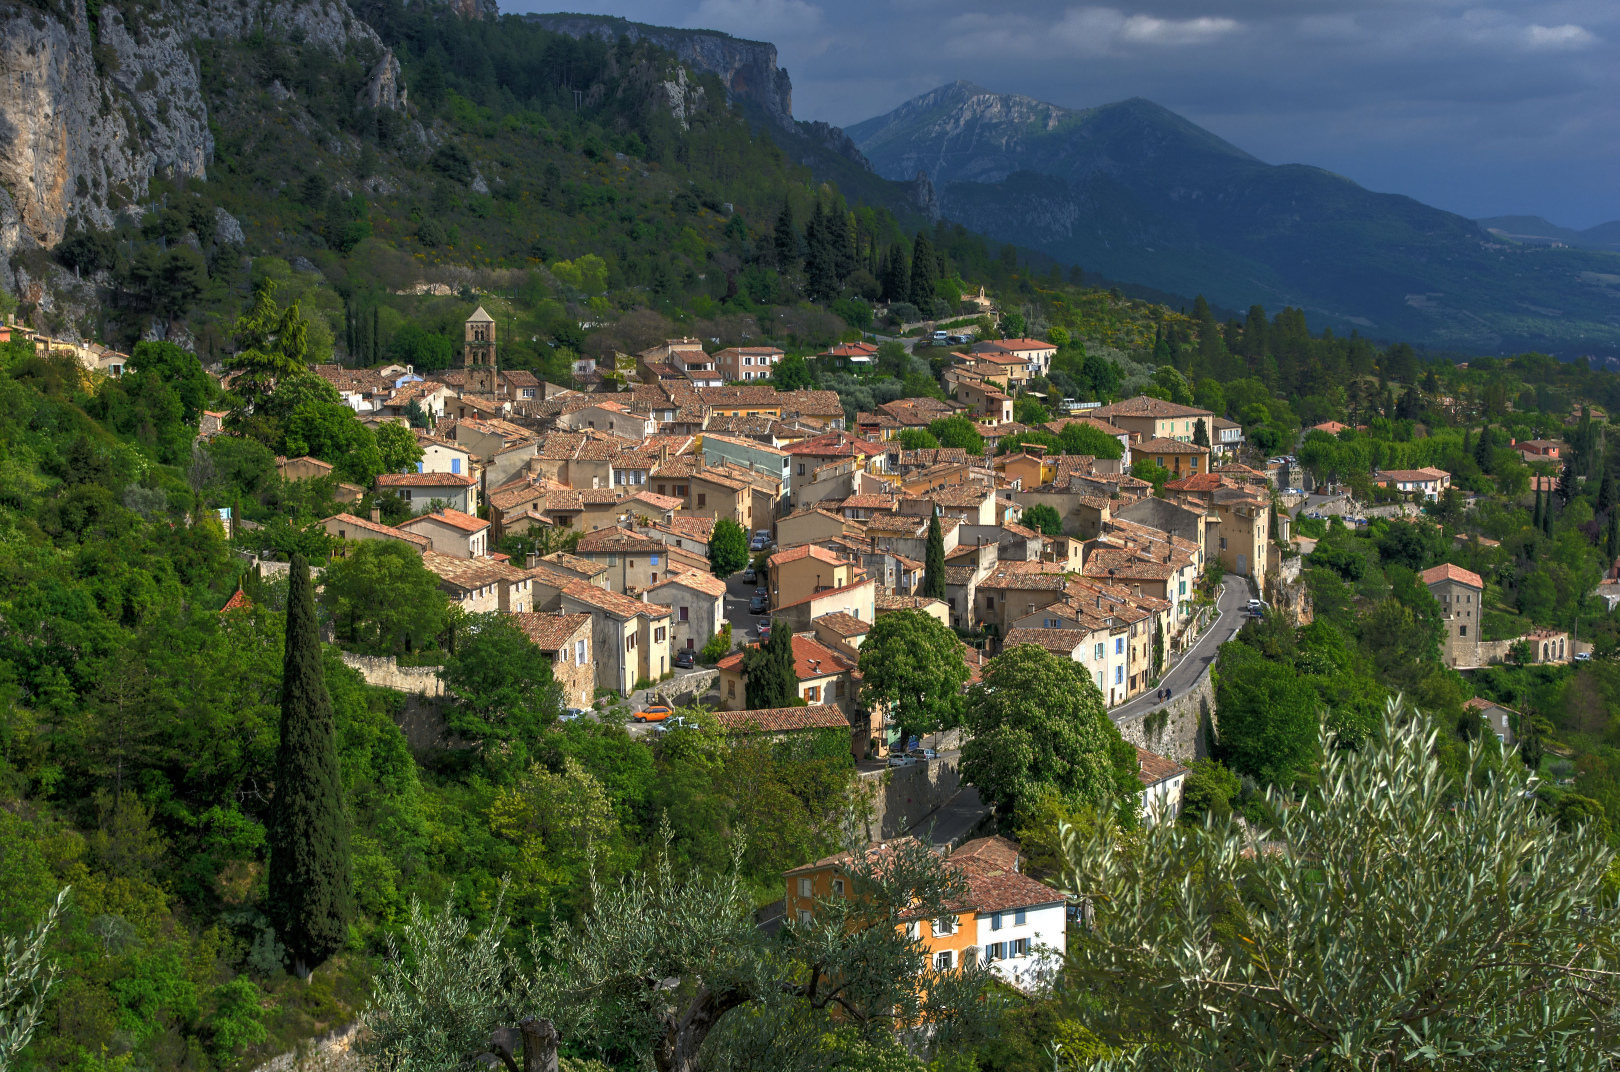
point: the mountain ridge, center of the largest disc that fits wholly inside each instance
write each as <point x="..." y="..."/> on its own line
<point x="1133" y="190"/>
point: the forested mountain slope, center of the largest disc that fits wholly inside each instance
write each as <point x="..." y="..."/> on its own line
<point x="1136" y="192"/>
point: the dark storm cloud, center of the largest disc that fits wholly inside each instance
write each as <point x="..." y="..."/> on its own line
<point x="1512" y="107"/>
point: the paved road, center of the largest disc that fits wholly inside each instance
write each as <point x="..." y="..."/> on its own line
<point x="1195" y="663"/>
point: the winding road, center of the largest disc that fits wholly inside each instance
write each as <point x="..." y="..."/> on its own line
<point x="1195" y="663"/>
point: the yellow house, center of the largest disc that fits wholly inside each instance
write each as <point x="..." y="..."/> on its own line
<point x="800" y="572"/>
<point x="1181" y="458"/>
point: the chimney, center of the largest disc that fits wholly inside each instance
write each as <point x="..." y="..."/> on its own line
<point x="376" y="514"/>
<point x="531" y="560"/>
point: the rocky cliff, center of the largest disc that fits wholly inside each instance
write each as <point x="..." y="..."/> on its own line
<point x="747" y="68"/>
<point x="89" y="112"/>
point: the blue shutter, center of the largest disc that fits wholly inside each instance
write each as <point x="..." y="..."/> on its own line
<point x="455" y="466"/>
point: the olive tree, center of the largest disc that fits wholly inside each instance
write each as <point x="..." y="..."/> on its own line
<point x="1399" y="920"/>
<point x="673" y="971"/>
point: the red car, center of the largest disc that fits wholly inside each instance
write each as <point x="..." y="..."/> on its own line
<point x="653" y="713"/>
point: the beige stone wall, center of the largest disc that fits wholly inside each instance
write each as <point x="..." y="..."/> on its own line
<point x="385" y="672"/>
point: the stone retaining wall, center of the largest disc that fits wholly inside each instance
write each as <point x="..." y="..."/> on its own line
<point x="1176" y="730"/>
<point x="901" y="798"/>
<point x="385" y="671"/>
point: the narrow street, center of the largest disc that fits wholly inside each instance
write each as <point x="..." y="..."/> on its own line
<point x="1195" y="663"/>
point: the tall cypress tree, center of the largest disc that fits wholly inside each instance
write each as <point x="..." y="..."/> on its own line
<point x="1613" y="544"/>
<point x="896" y="276"/>
<point x="1535" y="518"/>
<point x="1547" y="515"/>
<point x="933" y="586"/>
<point x="309" y="898"/>
<point x="1566" y="483"/>
<point x="770" y="680"/>
<point x="922" y="275"/>
<point x="787" y="240"/>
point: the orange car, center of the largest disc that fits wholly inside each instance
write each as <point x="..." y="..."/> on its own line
<point x="653" y="713"/>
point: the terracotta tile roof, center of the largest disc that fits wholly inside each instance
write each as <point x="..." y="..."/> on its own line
<point x="698" y="581"/>
<point x="1060" y="641"/>
<point x="1148" y="406"/>
<point x="1477" y="703"/>
<point x="815" y="403"/>
<point x="621" y="606"/>
<point x="453" y="518"/>
<point x="1197" y="482"/>
<point x="692" y="528"/>
<point x="238" y="601"/>
<point x="807" y="550"/>
<point x="1448" y="572"/>
<point x="617" y="541"/>
<point x="887" y="602"/>
<point x="1411" y="475"/>
<point x="1009" y="575"/>
<point x="583" y="566"/>
<point x="470" y="573"/>
<point x="783" y="719"/>
<point x="1153" y="769"/>
<point x="551" y="631"/>
<point x="1020" y="344"/>
<point x="1166" y="446"/>
<point x="996" y="889"/>
<point x="845" y="625"/>
<point x="425" y="480"/>
<point x="1056" y="426"/>
<point x="510" y="498"/>
<point x="657" y="501"/>
<point x="417" y="540"/>
<point x="757" y="395"/>
<point x="835" y="445"/>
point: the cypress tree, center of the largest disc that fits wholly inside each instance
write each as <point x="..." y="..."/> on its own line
<point x="1566" y="483"/>
<point x="896" y="276"/>
<point x="1607" y="495"/>
<point x="933" y="586"/>
<point x="922" y="275"/>
<point x="1547" y="516"/>
<point x="1535" y="518"/>
<point x="768" y="670"/>
<point x="309" y="899"/>
<point x="1613" y="545"/>
<point x="787" y="241"/>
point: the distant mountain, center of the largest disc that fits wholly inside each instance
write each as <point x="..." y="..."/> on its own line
<point x="1137" y="192"/>
<point x="1535" y="231"/>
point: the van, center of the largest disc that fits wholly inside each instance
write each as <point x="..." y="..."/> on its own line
<point x="941" y="336"/>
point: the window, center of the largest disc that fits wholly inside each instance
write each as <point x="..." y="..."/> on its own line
<point x="731" y="689"/>
<point x="812" y="693"/>
<point x="1119" y="645"/>
<point x="1462" y="630"/>
<point x="806" y="886"/>
<point x="630" y="642"/>
<point x="1183" y="589"/>
<point x="684" y="614"/>
<point x="1018" y="947"/>
<point x="804" y="915"/>
<point x="655" y="560"/>
<point x="995" y="921"/>
<point x="801" y="468"/>
<point x="1223" y="543"/>
<point x="839" y="690"/>
<point x="1119" y="675"/>
<point x="838" y="887"/>
<point x="703" y="500"/>
<point x="613" y="560"/>
<point x="455" y="465"/>
<point x="579" y="652"/>
<point x="631" y="563"/>
<point x="658" y="634"/>
<point x="1098" y="655"/>
<point x="653" y="577"/>
<point x="1020" y="917"/>
<point x="944" y="925"/>
<point x="942" y="961"/>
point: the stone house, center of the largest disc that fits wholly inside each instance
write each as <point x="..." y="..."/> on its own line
<point x="1460" y="593"/>
<point x="697" y="606"/>
<point x="421" y="491"/>
<point x="567" y="639"/>
<point x="630" y="637"/>
<point x="452" y="532"/>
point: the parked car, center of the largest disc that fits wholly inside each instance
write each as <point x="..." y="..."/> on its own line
<point x="761" y="540"/>
<point x="1583" y="656"/>
<point x="764" y="631"/>
<point x="750" y="575"/>
<point x="572" y="714"/>
<point x="653" y="713"/>
<point x="759" y="605"/>
<point x="685" y="658"/>
<point x="903" y="761"/>
<point x="679" y="722"/>
<point x="923" y="753"/>
<point x="941" y="336"/>
<point x="1255" y="604"/>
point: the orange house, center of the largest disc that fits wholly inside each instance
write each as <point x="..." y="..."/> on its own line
<point x="1008" y="920"/>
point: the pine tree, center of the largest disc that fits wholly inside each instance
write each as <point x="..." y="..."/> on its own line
<point x="820" y="261"/>
<point x="933" y="586"/>
<point x="922" y="275"/>
<point x="309" y="898"/>
<point x="787" y="240"/>
<point x="769" y="677"/>
<point x="842" y="244"/>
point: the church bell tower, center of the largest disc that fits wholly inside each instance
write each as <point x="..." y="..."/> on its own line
<point x="478" y="354"/>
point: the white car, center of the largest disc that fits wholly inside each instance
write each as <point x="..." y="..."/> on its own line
<point x="1583" y="656"/>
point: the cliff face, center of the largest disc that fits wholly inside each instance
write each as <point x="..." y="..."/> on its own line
<point x="747" y="68"/>
<point x="83" y="128"/>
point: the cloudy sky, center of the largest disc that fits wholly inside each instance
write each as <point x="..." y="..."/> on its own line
<point x="1512" y="108"/>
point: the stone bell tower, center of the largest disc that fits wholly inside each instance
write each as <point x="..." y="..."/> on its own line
<point x="478" y="354"/>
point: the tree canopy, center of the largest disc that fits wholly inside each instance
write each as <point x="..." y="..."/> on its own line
<point x="913" y="666"/>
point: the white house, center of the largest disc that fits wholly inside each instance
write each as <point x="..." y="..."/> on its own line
<point x="1162" y="780"/>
